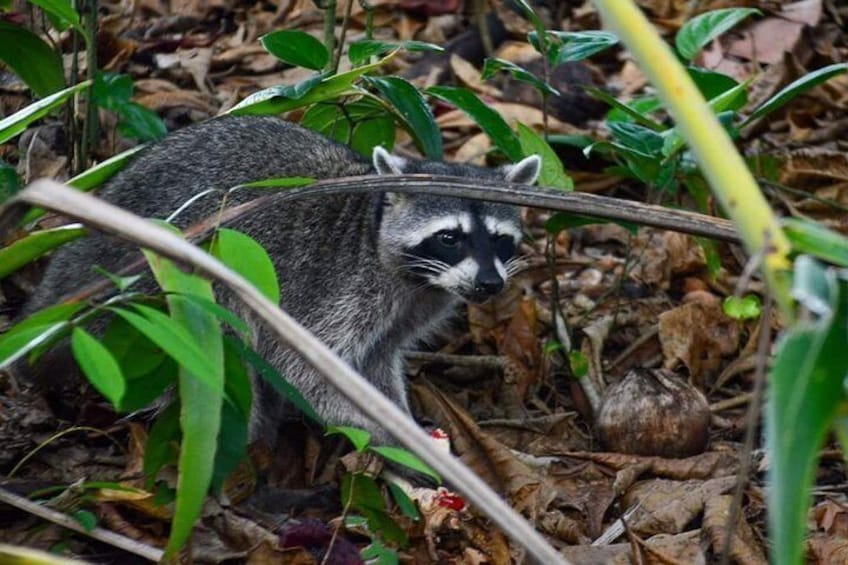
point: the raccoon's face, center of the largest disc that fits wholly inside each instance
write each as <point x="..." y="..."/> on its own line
<point x="464" y="247"/>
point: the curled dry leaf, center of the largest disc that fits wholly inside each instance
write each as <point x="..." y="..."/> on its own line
<point x="669" y="506"/>
<point x="699" y="335"/>
<point x="745" y="548"/>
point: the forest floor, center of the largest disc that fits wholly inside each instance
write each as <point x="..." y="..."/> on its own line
<point x="641" y="304"/>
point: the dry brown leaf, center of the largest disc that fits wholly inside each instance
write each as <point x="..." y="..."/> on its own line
<point x="708" y="465"/>
<point x="512" y="113"/>
<point x="470" y="76"/>
<point x="827" y="549"/>
<point x="520" y="345"/>
<point x="699" y="335"/>
<point x="744" y="550"/>
<point x="669" y="506"/>
<point x="165" y="100"/>
<point x="528" y="491"/>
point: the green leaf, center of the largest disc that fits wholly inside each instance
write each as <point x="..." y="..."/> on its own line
<point x="373" y="133"/>
<point x="296" y="48"/>
<point x="637" y="138"/>
<point x="29" y="57"/>
<point x="742" y="308"/>
<point x="413" y="111"/>
<point x="280" y="182"/>
<point x="493" y="65"/>
<point x="221" y="313"/>
<point x="121" y="283"/>
<point x="575" y="45"/>
<point x="139" y="122"/>
<point x="362" y="493"/>
<point x="201" y="396"/>
<point x="86" y="519"/>
<point x="10" y="183"/>
<point x="62" y="12"/>
<point x="362" y="124"/>
<point x="579" y="363"/>
<point x="407" y="459"/>
<point x="358" y="437"/>
<point x="792" y="90"/>
<point x="247" y="257"/>
<point x="378" y="554"/>
<point x="807" y="393"/>
<point x="565" y="220"/>
<point x="18" y="122"/>
<point x="711" y="83"/>
<point x="812" y="238"/>
<point x="553" y="174"/>
<point x="279" y="99"/>
<point x="627" y="110"/>
<point x="161" y="447"/>
<point x="405" y="504"/>
<point x="277" y="382"/>
<point x="19" y="341"/>
<point x="489" y="120"/>
<point x="235" y="415"/>
<point x="95" y="176"/>
<point x="35" y="245"/>
<point x="112" y="90"/>
<point x="98" y="365"/>
<point x="174" y="339"/>
<point x="360" y="51"/>
<point x="702" y="29"/>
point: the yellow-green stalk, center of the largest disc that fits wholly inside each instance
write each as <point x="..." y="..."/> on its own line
<point x="724" y="168"/>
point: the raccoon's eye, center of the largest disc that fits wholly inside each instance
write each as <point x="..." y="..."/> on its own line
<point x="504" y="246"/>
<point x="449" y="238"/>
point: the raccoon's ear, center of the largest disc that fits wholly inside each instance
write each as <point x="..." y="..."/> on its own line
<point x="525" y="171"/>
<point x="387" y="164"/>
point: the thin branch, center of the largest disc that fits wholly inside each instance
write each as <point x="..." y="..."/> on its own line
<point x="100" y="534"/>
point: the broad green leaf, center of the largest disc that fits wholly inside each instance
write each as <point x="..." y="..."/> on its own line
<point x="413" y="111"/>
<point x="221" y="313"/>
<point x="35" y="329"/>
<point x="29" y="57"/>
<point x="201" y="396"/>
<point x="296" y="48"/>
<point x="493" y="65"/>
<point x="112" y="90"/>
<point x="98" y="365"/>
<point x="235" y="415"/>
<point x="10" y="183"/>
<point x="711" y="83"/>
<point x="405" y="504"/>
<point x="637" y="138"/>
<point x="285" y="96"/>
<point x="175" y="340"/>
<point x="579" y="363"/>
<point x="792" y="90"/>
<point x="35" y="245"/>
<point x="377" y="553"/>
<point x="700" y="30"/>
<point x="407" y="459"/>
<point x="86" y="519"/>
<point x="742" y="308"/>
<point x="373" y="133"/>
<point x="362" y="493"/>
<point x="279" y="99"/>
<point x="358" y="437"/>
<point x="628" y="110"/>
<point x="18" y="122"/>
<point x="277" y="382"/>
<point x="244" y="255"/>
<point x="62" y="12"/>
<point x="807" y="394"/>
<point x="812" y="238"/>
<point x="138" y="122"/>
<point x="95" y="176"/>
<point x="567" y="46"/>
<point x="531" y="15"/>
<point x="360" y="51"/>
<point x="489" y="120"/>
<point x="553" y="174"/>
<point x="162" y="440"/>
<point x="17" y="342"/>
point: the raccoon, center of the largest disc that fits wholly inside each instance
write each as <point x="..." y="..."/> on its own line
<point x="369" y="274"/>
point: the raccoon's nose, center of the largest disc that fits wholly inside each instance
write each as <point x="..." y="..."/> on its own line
<point x="488" y="283"/>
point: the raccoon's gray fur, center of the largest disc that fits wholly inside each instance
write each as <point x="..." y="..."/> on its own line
<point x="341" y="260"/>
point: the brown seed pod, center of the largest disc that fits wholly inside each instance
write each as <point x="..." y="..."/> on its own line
<point x="654" y="412"/>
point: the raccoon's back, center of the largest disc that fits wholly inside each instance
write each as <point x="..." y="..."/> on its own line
<point x="217" y="154"/>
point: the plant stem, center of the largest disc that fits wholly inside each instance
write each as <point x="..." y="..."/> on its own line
<point x="724" y="168"/>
